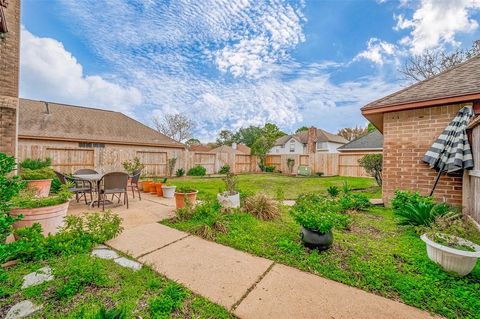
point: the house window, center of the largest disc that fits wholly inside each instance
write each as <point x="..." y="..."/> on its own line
<point x="321" y="145"/>
<point x="292" y="146"/>
<point x="91" y="145"/>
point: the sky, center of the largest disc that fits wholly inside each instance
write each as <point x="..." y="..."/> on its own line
<point x="228" y="64"/>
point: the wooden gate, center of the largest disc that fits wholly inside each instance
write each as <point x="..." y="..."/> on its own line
<point x="242" y="163"/>
<point x="274" y="160"/>
<point x="206" y="160"/>
<point x="471" y="179"/>
<point x="155" y="162"/>
<point x="69" y="160"/>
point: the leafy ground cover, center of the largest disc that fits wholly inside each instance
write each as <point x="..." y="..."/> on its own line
<point x="375" y="254"/>
<point x="87" y="287"/>
<point x="271" y="183"/>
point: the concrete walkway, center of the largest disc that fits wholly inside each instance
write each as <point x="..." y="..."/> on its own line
<point x="249" y="286"/>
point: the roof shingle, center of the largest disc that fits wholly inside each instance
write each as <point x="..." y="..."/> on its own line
<point x="371" y="141"/>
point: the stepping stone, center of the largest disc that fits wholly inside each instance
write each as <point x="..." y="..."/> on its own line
<point x="125" y="262"/>
<point x="376" y="201"/>
<point x="36" y="278"/>
<point x="287" y="292"/>
<point x="146" y="238"/>
<point x="288" y="202"/>
<point x="22" y="309"/>
<point x="104" y="253"/>
<point x="100" y="246"/>
<point x="219" y="273"/>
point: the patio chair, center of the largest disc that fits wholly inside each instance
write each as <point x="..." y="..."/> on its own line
<point x="134" y="183"/>
<point x="81" y="188"/>
<point x="114" y="183"/>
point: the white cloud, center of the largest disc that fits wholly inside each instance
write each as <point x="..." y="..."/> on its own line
<point x="437" y="22"/>
<point x="49" y="72"/>
<point x="377" y="51"/>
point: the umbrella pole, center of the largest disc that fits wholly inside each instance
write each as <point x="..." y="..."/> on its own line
<point x="436" y="182"/>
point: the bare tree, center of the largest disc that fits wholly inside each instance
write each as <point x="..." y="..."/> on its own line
<point x="176" y="126"/>
<point x="351" y="133"/>
<point x="423" y="66"/>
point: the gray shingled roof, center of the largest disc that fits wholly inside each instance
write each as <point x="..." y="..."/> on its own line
<point x="302" y="137"/>
<point x="85" y="124"/>
<point x="460" y="80"/>
<point x="371" y="141"/>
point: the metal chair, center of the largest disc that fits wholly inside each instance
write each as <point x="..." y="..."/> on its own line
<point x="114" y="183"/>
<point x="79" y="188"/>
<point x="134" y="183"/>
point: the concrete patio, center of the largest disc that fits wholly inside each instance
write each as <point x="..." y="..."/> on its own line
<point x="246" y="285"/>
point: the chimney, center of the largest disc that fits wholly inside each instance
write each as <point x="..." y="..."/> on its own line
<point x="312" y="140"/>
<point x="234" y="145"/>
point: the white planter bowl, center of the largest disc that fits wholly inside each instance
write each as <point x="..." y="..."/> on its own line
<point x="168" y="191"/>
<point x="450" y="259"/>
<point x="230" y="201"/>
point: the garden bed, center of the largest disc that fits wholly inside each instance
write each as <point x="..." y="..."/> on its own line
<point x="374" y="254"/>
<point x="84" y="285"/>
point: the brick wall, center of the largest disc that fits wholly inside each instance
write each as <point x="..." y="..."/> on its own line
<point x="407" y="136"/>
<point x="9" y="64"/>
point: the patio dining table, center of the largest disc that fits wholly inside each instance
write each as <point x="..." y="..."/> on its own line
<point x="94" y="179"/>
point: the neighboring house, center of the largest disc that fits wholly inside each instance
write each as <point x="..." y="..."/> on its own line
<point x="81" y="137"/>
<point x="234" y="149"/>
<point x="370" y="143"/>
<point x="199" y="148"/>
<point x="307" y="142"/>
<point x="413" y="118"/>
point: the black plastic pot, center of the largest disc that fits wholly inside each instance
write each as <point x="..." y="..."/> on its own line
<point x="316" y="240"/>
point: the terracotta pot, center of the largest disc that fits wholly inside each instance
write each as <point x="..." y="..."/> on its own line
<point x="146" y="186"/>
<point x="180" y="198"/>
<point x="41" y="187"/>
<point x="50" y="218"/>
<point x="140" y="186"/>
<point x="158" y="188"/>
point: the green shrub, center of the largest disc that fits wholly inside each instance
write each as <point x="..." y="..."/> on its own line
<point x="36" y="174"/>
<point x="269" y="168"/>
<point x="212" y="220"/>
<point x="403" y="198"/>
<point x="185" y="189"/>
<point x="225" y="169"/>
<point x="56" y="185"/>
<point x="262" y="207"/>
<point x="373" y="164"/>
<point x="318" y="213"/>
<point x="346" y="188"/>
<point x="422" y="213"/>
<point x="10" y="186"/>
<point x="133" y="165"/>
<point x="79" y="234"/>
<point x="113" y="313"/>
<point x="180" y="172"/>
<point x="35" y="164"/>
<point x="26" y="199"/>
<point x="197" y="171"/>
<point x="353" y="201"/>
<point x="319" y="174"/>
<point x="170" y="299"/>
<point x="333" y="191"/>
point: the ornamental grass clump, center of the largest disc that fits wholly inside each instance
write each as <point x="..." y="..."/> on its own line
<point x="416" y="210"/>
<point x="262" y="206"/>
<point x="318" y="213"/>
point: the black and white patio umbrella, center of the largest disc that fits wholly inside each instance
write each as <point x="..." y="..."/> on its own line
<point x="451" y="151"/>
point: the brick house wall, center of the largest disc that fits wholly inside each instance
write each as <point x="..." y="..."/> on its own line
<point x="407" y="136"/>
<point x="9" y="64"/>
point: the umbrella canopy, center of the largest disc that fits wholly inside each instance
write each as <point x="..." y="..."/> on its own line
<point x="451" y="151"/>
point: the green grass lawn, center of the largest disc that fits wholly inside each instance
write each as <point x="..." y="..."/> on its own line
<point x="83" y="285"/>
<point x="375" y="254"/>
<point x="270" y="183"/>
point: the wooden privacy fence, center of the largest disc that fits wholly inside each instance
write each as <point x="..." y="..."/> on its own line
<point x="330" y="164"/>
<point x="471" y="179"/>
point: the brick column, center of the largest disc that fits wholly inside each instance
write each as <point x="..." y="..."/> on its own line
<point x="9" y="67"/>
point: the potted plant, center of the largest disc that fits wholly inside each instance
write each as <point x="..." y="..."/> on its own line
<point x="168" y="190"/>
<point x="185" y="196"/>
<point x="452" y="253"/>
<point x="49" y="211"/>
<point x="158" y="186"/>
<point x="231" y="197"/>
<point x="146" y="186"/>
<point x="317" y="217"/>
<point x="38" y="175"/>
<point x="131" y="166"/>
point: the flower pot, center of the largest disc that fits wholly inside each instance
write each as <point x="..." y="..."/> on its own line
<point x="153" y="189"/>
<point x="41" y="187"/>
<point x="50" y="217"/>
<point x="180" y="199"/>
<point x="316" y="240"/>
<point x="228" y="200"/>
<point x="140" y="186"/>
<point x="168" y="191"/>
<point x="158" y="188"/>
<point x="450" y="259"/>
<point x="146" y="186"/>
